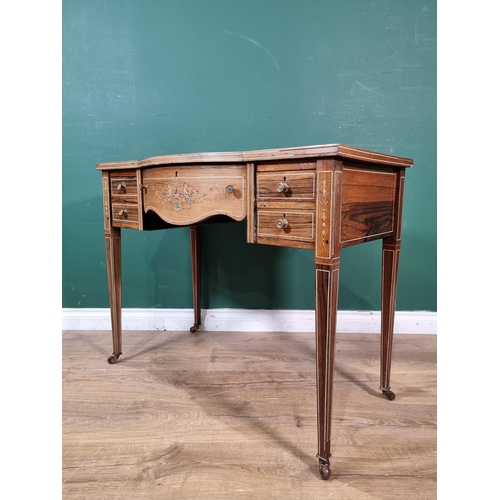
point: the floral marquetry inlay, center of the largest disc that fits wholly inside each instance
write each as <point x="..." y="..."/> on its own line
<point x="324" y="208"/>
<point x="324" y="214"/>
<point x="180" y="196"/>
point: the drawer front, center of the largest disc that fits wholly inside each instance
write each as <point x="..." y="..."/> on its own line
<point x="125" y="215"/>
<point x="286" y="185"/>
<point x="124" y="185"/>
<point x="185" y="195"/>
<point x="285" y="225"/>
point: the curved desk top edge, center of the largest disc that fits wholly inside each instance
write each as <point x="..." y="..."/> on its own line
<point x="325" y="150"/>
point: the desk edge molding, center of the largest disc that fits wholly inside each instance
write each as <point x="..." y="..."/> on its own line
<point x="277" y="154"/>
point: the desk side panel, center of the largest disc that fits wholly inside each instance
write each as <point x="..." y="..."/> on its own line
<point x="368" y="203"/>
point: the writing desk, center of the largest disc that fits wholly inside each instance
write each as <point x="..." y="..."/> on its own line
<point x="321" y="198"/>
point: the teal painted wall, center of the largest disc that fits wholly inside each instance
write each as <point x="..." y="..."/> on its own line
<point x="143" y="78"/>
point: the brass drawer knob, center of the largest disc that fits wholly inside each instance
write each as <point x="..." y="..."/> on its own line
<point x="281" y="223"/>
<point x="121" y="187"/>
<point x="282" y="187"/>
<point x="229" y="189"/>
<point x="123" y="212"/>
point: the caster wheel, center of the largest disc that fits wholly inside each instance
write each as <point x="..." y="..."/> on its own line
<point x="193" y="328"/>
<point x="324" y="470"/>
<point x="389" y="395"/>
<point x="113" y="359"/>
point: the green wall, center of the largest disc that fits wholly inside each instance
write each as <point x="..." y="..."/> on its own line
<point x="144" y="77"/>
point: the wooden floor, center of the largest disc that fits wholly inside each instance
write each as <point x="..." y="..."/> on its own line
<point x="233" y="416"/>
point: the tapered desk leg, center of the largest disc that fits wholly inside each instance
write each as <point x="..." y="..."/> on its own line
<point x="113" y="261"/>
<point x="195" y="235"/>
<point x="327" y="280"/>
<point x="390" y="263"/>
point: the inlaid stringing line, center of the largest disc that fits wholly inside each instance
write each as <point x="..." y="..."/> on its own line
<point x="400" y="206"/>
<point x="326" y="354"/>
<point x="383" y="158"/>
<point x="113" y="287"/>
<point x="339" y="179"/>
<point x="369" y="236"/>
<point x="196" y="219"/>
<point x="368" y="171"/>
<point x="392" y="303"/>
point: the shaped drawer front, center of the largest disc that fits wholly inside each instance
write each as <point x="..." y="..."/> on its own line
<point x="185" y="195"/>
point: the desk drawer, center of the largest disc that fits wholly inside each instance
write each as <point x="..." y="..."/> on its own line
<point x="284" y="185"/>
<point x="124" y="199"/>
<point x="185" y="195"/>
<point x="125" y="215"/>
<point x="124" y="185"/>
<point x="285" y="225"/>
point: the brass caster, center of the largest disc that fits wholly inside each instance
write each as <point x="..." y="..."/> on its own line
<point x="389" y="394"/>
<point x="324" y="470"/>
<point x="113" y="358"/>
<point x="193" y="328"/>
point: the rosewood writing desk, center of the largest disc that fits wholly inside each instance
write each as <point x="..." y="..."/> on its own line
<point x="321" y="198"/>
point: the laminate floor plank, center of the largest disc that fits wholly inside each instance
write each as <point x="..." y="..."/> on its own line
<point x="233" y="415"/>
